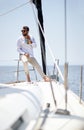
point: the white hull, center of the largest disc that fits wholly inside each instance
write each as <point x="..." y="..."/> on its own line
<point x="26" y="103"/>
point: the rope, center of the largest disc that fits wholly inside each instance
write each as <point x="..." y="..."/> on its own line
<point x="54" y="59"/>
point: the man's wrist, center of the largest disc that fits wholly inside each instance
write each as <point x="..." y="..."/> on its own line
<point x="30" y="42"/>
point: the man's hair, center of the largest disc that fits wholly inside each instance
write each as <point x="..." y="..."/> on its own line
<point x="26" y="28"/>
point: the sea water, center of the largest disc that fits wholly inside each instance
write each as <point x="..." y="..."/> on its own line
<point x="9" y="74"/>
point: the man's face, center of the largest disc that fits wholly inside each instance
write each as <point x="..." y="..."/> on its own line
<point x="24" y="32"/>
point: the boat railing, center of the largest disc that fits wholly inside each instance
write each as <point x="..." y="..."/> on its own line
<point x="54" y="74"/>
<point x="18" y="70"/>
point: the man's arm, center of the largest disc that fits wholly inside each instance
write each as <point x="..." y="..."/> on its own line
<point x="19" y="48"/>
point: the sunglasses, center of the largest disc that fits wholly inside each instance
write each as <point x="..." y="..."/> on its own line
<point x="23" y="31"/>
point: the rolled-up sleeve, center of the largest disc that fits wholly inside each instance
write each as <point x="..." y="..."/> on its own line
<point x="19" y="48"/>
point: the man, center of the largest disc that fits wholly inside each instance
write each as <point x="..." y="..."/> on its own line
<point x="25" y="45"/>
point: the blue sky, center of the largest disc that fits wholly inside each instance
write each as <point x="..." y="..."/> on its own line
<point x="53" y="13"/>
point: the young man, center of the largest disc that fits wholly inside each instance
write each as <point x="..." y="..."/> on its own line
<point x="25" y="45"/>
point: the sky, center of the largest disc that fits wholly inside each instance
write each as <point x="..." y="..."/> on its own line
<point x="12" y="19"/>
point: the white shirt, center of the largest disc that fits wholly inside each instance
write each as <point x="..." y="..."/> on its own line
<point x="23" y="47"/>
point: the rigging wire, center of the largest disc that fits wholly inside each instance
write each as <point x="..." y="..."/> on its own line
<point x="65" y="22"/>
<point x="13" y="9"/>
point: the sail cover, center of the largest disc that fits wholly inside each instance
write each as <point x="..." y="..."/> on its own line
<point x="42" y="39"/>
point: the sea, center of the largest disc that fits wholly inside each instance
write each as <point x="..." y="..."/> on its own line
<point x="9" y="74"/>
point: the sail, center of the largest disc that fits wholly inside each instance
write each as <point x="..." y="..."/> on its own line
<point x="42" y="39"/>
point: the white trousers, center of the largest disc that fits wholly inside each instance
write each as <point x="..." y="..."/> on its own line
<point x="33" y="62"/>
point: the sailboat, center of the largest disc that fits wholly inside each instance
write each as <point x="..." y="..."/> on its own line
<point x="41" y="105"/>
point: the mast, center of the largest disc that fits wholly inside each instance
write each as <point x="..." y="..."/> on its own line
<point x="38" y="5"/>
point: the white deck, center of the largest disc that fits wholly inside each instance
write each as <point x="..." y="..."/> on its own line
<point x="13" y="104"/>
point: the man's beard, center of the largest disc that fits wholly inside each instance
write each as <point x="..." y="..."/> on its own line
<point x="24" y="34"/>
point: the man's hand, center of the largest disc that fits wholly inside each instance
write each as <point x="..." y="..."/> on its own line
<point x="30" y="42"/>
<point x="27" y="55"/>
